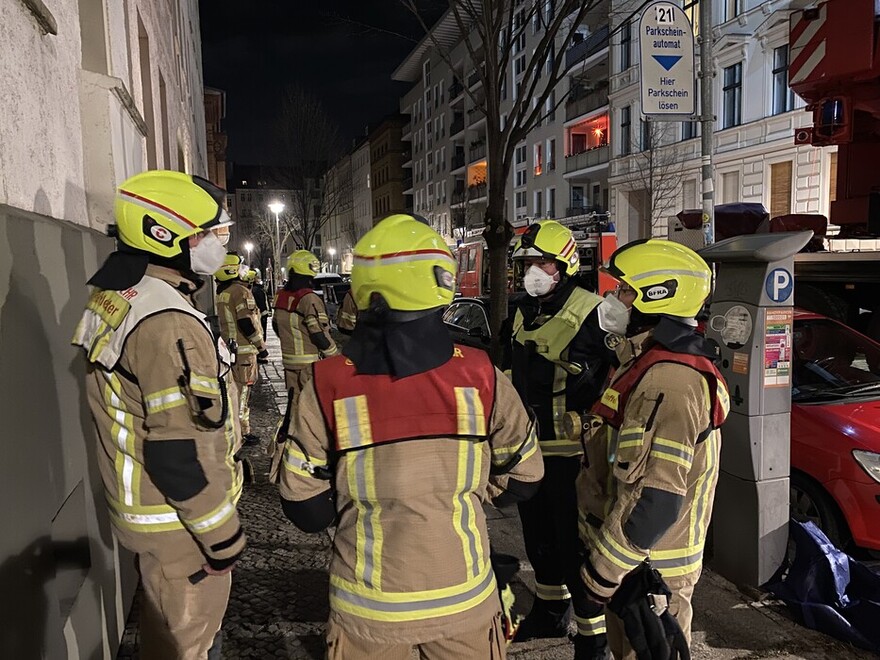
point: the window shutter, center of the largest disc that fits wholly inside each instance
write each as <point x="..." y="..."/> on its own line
<point x="832" y="178"/>
<point x="780" y="189"/>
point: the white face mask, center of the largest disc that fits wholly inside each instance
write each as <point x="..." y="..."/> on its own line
<point x="207" y="257"/>
<point x="538" y="283"/>
<point x="613" y="315"/>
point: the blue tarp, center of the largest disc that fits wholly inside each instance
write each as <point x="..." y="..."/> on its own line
<point x="828" y="590"/>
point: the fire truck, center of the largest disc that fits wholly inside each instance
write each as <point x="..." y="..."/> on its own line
<point x="835" y="68"/>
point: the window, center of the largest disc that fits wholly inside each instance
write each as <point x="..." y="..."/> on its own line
<point x="551" y="202"/>
<point x="521" y="200"/>
<point x="551" y="106"/>
<point x="521" y="155"/>
<point x="551" y="61"/>
<point x="443" y="163"/>
<point x="832" y="177"/>
<point x="539" y="159"/>
<point x="625" y="46"/>
<point x="443" y="125"/>
<point x="436" y="96"/>
<point x="625" y="136"/>
<point x="732" y="9"/>
<point x="689" y="194"/>
<point x="551" y="154"/>
<point x="780" y="188"/>
<point x="521" y="178"/>
<point x="692" y="11"/>
<point x="519" y="65"/>
<point x="646" y="135"/>
<point x="730" y="188"/>
<point x="539" y="203"/>
<point x="549" y="11"/>
<point x="689" y="129"/>
<point x="426" y="72"/>
<point x="732" y="95"/>
<point x="783" y="97"/>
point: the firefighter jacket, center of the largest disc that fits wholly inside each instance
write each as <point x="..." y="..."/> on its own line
<point x="156" y="387"/>
<point x="235" y="303"/>
<point x="559" y="362"/>
<point x="346" y="317"/>
<point x="411" y="462"/>
<point x="653" y="448"/>
<point x="301" y="318"/>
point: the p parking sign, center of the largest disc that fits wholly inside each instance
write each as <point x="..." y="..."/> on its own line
<point x="779" y="285"/>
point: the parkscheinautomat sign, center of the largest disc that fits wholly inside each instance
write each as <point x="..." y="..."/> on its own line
<point x="666" y="50"/>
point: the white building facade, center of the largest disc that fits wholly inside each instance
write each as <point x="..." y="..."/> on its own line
<point x="94" y="91"/>
<point x="354" y="217"/>
<point x="757" y="116"/>
<point x="559" y="172"/>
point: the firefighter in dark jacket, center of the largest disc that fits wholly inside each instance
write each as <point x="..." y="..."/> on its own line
<point x="653" y="446"/>
<point x="559" y="364"/>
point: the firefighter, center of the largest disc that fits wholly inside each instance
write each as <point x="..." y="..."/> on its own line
<point x="403" y="438"/>
<point x="654" y="446"/>
<point x="302" y="326"/>
<point x="167" y="438"/>
<point x="259" y="293"/>
<point x="346" y="316"/>
<point x="240" y="326"/>
<point x="559" y="364"/>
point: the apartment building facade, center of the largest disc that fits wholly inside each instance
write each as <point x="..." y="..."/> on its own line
<point x="757" y="116"/>
<point x="387" y="156"/>
<point x="559" y="172"/>
<point x="345" y="227"/>
<point x="94" y="92"/>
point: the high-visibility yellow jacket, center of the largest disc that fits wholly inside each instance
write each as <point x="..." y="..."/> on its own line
<point x="546" y="360"/>
<point x="346" y="317"/>
<point x="649" y="487"/>
<point x="411" y="460"/>
<point x="156" y="385"/>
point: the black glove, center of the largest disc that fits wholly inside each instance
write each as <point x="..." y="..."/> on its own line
<point x="641" y="603"/>
<point x="263" y="356"/>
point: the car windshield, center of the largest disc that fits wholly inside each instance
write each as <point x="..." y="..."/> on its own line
<point x="832" y="361"/>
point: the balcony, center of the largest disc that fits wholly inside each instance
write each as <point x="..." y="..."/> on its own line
<point x="458" y="161"/>
<point x="455" y="90"/>
<point x="591" y="158"/>
<point x="582" y="102"/>
<point x="407" y="183"/>
<point x="587" y="48"/>
<point x="475" y="116"/>
<point x="406" y="136"/>
<point x="477" y="152"/>
<point x="457" y="126"/>
<point x="477" y="192"/>
<point x="406" y="155"/>
<point x="473" y="78"/>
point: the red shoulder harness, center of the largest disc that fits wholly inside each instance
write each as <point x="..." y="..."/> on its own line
<point x="289" y="300"/>
<point x="612" y="405"/>
<point x="453" y="400"/>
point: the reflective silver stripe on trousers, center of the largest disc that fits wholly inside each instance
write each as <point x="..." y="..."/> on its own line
<point x="467" y="524"/>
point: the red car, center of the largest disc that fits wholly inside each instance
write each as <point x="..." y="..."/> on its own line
<point x="835" y="430"/>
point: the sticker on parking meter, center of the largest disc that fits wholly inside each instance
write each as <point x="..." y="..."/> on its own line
<point x="777" y="347"/>
<point x="735" y="327"/>
<point x="779" y="285"/>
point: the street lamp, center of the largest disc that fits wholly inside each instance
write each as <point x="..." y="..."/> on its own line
<point x="332" y="253"/>
<point x="276" y="208"/>
<point x="248" y="248"/>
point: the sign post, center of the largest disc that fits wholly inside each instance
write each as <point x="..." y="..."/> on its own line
<point x="666" y="49"/>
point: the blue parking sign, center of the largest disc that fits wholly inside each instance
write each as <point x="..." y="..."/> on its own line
<point x="779" y="285"/>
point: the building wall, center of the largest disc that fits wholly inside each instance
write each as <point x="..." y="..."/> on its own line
<point x="386" y="168"/>
<point x="73" y="128"/>
<point x="746" y="154"/>
<point x="338" y="232"/>
<point x="217" y="140"/>
<point x="448" y="164"/>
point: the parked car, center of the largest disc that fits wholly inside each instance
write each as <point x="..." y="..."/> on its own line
<point x="333" y="295"/>
<point x="835" y="420"/>
<point x="326" y="278"/>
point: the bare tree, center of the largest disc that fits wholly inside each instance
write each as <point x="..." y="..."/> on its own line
<point x="655" y="170"/>
<point x="260" y="227"/>
<point x="491" y="31"/>
<point x="312" y="144"/>
<point x="462" y="211"/>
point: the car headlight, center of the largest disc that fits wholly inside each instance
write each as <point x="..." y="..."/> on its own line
<point x="869" y="461"/>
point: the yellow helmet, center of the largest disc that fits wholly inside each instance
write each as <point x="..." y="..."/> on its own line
<point x="157" y="210"/>
<point x="405" y="262"/>
<point x="669" y="278"/>
<point x="230" y="269"/>
<point x="251" y="276"/>
<point x="303" y="262"/>
<point x="547" y="239"/>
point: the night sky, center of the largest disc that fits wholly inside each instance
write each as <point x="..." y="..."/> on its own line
<point x="336" y="48"/>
